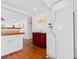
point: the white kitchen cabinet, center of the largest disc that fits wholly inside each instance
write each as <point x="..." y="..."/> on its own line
<point x="11" y="43"/>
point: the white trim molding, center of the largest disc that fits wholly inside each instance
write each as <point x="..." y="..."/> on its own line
<point x="15" y="9"/>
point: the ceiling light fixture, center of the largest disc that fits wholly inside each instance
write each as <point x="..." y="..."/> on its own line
<point x="35" y="8"/>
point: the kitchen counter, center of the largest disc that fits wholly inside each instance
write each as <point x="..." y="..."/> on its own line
<point x="11" y="43"/>
<point x="10" y="28"/>
<point x="17" y="33"/>
<point x="11" y="40"/>
<point x="10" y="31"/>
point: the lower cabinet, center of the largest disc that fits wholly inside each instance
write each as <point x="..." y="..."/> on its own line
<point x="10" y="44"/>
<point x="39" y="39"/>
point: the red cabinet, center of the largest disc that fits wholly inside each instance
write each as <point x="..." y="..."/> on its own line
<point x="39" y="39"/>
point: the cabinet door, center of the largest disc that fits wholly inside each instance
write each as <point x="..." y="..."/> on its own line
<point x="11" y="44"/>
<point x="3" y="46"/>
<point x="36" y="38"/>
<point x="64" y="34"/>
<point x="15" y="43"/>
<point x="43" y="40"/>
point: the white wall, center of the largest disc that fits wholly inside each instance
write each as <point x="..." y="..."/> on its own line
<point x="40" y="22"/>
<point x="12" y="17"/>
<point x="29" y="28"/>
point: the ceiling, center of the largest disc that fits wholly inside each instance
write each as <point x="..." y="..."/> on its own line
<point x="34" y="6"/>
<point x="30" y="6"/>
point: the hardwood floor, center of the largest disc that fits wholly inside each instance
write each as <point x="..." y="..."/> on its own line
<point x="29" y="51"/>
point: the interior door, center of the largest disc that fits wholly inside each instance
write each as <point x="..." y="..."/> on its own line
<point x="64" y="34"/>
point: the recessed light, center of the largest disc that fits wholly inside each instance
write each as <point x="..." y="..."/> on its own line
<point x="35" y="8"/>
